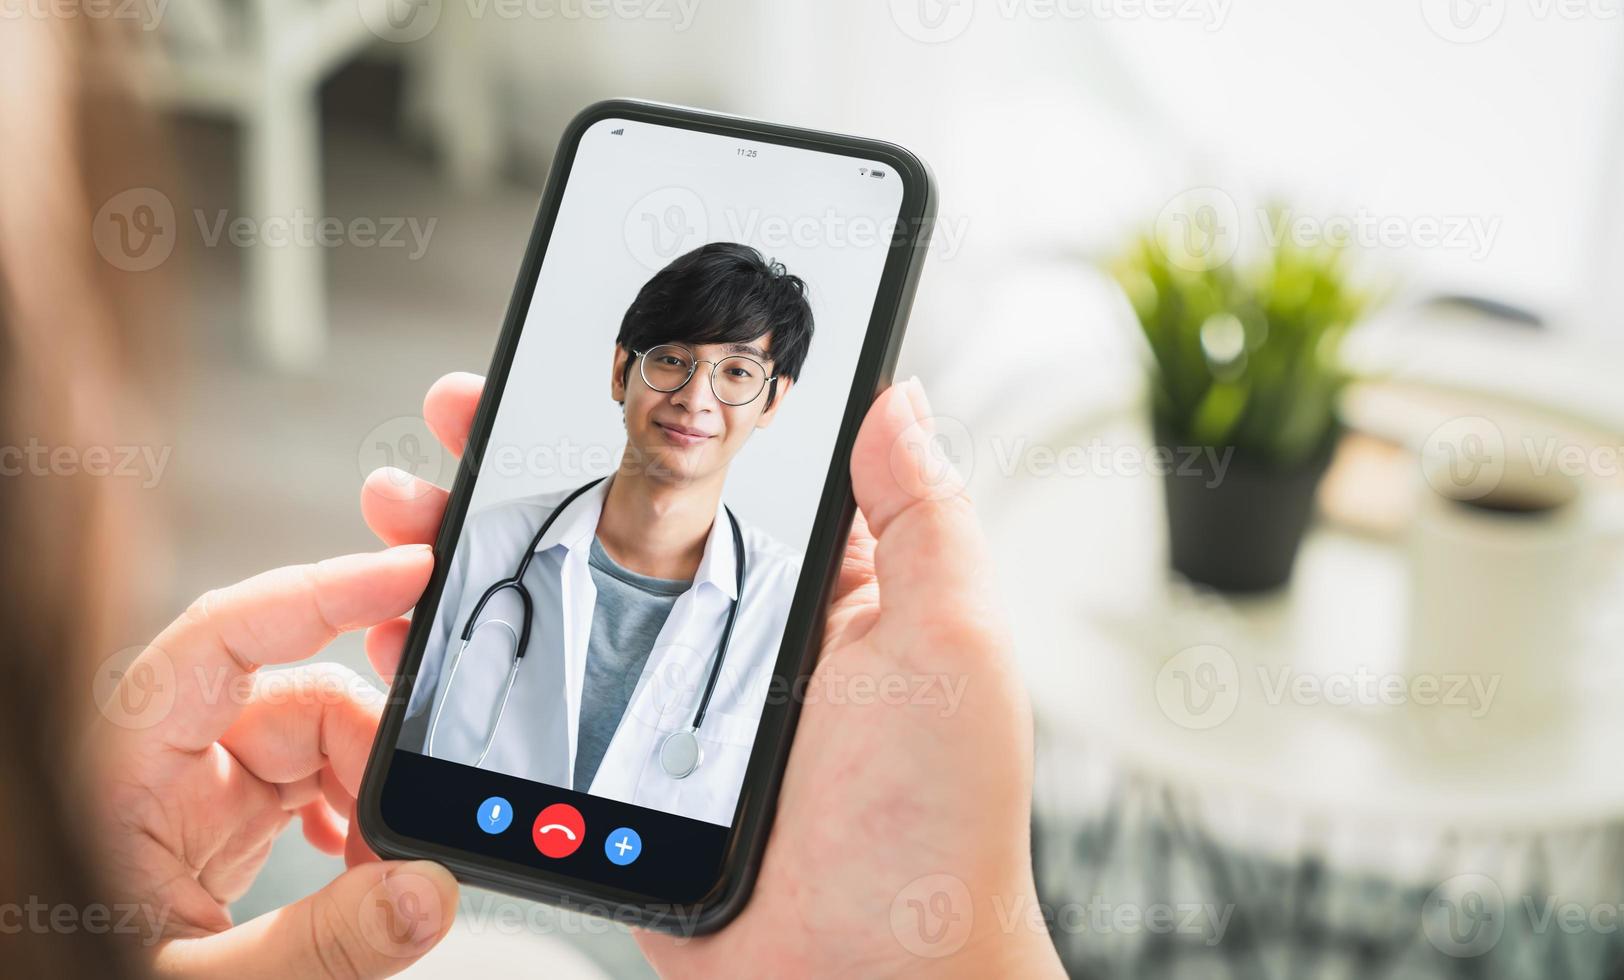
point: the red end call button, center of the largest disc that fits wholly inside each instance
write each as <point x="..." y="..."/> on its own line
<point x="558" y="830"/>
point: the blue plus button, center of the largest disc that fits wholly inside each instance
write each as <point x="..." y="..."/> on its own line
<point x="495" y="814"/>
<point x="622" y="846"/>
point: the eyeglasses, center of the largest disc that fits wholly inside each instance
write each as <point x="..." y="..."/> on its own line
<point x="736" y="379"/>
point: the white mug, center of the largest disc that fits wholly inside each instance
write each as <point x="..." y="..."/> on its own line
<point x="1504" y="557"/>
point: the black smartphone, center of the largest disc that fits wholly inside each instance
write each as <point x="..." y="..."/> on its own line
<point x="598" y="692"/>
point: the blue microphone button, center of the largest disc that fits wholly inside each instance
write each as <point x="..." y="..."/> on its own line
<point x="495" y="814"/>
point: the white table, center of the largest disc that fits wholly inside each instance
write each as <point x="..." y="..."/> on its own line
<point x="1341" y="836"/>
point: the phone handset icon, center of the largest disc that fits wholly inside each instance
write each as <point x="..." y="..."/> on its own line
<point x="558" y="830"/>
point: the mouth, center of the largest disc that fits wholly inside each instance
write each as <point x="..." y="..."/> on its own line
<point x="681" y="435"/>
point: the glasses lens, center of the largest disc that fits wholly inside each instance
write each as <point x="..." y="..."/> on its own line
<point x="738" y="380"/>
<point x="667" y="368"/>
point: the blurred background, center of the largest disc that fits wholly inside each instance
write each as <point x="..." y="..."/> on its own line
<point x="1279" y="341"/>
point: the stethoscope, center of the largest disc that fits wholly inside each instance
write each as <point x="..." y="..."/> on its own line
<point x="680" y="751"/>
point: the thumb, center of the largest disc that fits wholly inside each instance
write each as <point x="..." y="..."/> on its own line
<point x="374" y="920"/>
<point x="929" y="555"/>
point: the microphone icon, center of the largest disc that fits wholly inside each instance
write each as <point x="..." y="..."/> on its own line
<point x="495" y="815"/>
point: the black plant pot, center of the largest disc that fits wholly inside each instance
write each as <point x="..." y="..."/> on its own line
<point x="1235" y="521"/>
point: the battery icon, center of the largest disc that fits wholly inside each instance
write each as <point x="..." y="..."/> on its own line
<point x="876" y="172"/>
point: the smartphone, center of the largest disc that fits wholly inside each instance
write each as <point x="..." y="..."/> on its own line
<point x="599" y="688"/>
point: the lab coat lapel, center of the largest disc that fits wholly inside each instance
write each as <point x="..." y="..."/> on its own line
<point x="675" y="673"/>
<point x="578" y="599"/>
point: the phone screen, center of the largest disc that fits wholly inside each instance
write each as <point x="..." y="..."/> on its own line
<point x="595" y="672"/>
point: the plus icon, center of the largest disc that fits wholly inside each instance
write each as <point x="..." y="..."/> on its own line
<point x="622" y="846"/>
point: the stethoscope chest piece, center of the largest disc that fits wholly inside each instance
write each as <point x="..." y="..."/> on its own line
<point x="680" y="753"/>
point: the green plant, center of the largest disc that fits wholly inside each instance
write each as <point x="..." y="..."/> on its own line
<point x="1245" y="354"/>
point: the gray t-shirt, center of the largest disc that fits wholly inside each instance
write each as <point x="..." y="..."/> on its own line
<point x="630" y="612"/>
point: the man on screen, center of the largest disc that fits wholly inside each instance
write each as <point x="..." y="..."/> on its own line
<point x="629" y="584"/>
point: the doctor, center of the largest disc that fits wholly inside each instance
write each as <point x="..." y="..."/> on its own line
<point x="632" y="585"/>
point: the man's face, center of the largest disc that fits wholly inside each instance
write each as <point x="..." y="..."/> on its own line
<point x="690" y="434"/>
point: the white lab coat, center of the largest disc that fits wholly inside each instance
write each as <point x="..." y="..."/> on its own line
<point x="536" y="738"/>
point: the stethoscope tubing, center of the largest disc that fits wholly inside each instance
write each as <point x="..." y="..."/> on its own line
<point x="678" y="760"/>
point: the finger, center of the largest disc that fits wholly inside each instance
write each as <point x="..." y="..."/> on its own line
<point x="356" y="850"/>
<point x="276" y="617"/>
<point x="895" y="461"/>
<point x="385" y="644"/>
<point x="373" y="920"/>
<point x="449" y="408"/>
<point x="857" y="565"/>
<point x="856" y="599"/>
<point x="252" y="816"/>
<point x="929" y="556"/>
<point x="299" y="722"/>
<point x="324" y="829"/>
<point x="295" y="795"/>
<point x="340" y="799"/>
<point x="400" y="508"/>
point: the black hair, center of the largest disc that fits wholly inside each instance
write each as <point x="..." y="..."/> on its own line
<point x="722" y="293"/>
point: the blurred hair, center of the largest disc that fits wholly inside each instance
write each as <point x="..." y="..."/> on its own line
<point x="722" y="293"/>
<point x="71" y="137"/>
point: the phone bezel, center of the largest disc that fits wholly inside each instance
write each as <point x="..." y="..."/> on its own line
<point x="803" y="628"/>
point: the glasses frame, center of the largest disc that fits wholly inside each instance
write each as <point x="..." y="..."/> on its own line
<point x="693" y="368"/>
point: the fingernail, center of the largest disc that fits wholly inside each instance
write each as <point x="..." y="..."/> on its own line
<point x="410" y="549"/>
<point x="425" y="869"/>
<point x="918" y="402"/>
<point x="901" y="407"/>
<point x="921" y="467"/>
<point x="396" y="476"/>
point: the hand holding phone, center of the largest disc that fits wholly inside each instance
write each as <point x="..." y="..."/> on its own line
<point x="634" y="562"/>
<point x="648" y="546"/>
<point x="901" y="838"/>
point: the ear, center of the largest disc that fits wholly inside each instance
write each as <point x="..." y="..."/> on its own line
<point x="617" y="383"/>
<point x="766" y="417"/>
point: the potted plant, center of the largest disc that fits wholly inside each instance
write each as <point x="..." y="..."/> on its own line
<point x="1244" y="383"/>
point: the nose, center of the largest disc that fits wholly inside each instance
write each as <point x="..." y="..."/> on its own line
<point x="697" y="395"/>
